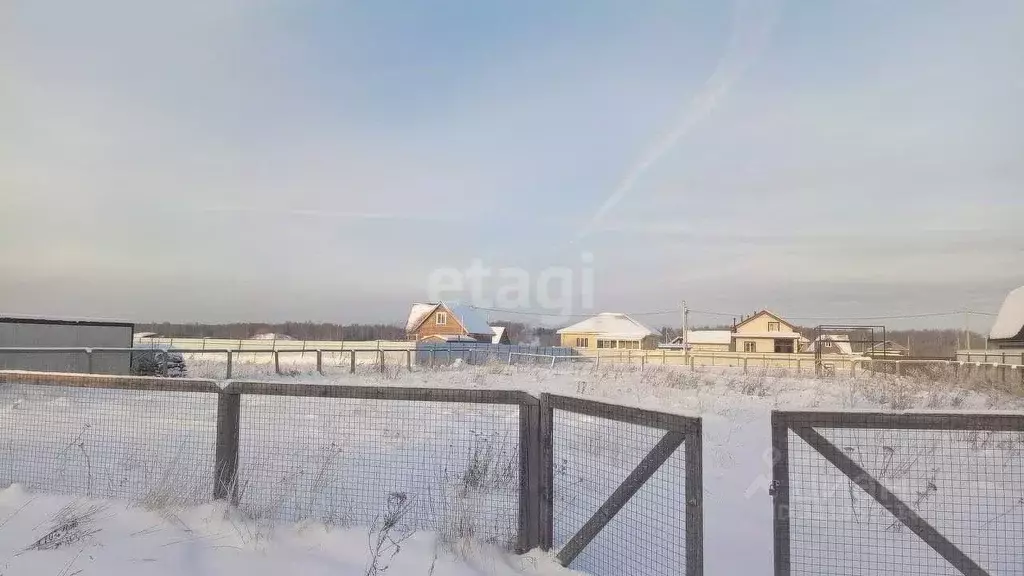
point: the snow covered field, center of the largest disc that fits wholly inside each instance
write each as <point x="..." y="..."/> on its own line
<point x="340" y="461"/>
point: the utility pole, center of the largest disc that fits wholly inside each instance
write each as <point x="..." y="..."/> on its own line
<point x="686" y="329"/>
<point x="967" y="327"/>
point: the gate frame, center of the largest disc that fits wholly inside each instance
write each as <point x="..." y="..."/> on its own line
<point x="680" y="431"/>
<point x="803" y="424"/>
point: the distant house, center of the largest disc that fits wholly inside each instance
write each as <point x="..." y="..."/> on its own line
<point x="888" y="349"/>
<point x="831" y="344"/>
<point x="705" y="340"/>
<point x="500" y="335"/>
<point x="436" y="338"/>
<point x="765" y="333"/>
<point x="272" y="336"/>
<point x="1008" y="330"/>
<point x="609" y="330"/>
<point x="443" y="321"/>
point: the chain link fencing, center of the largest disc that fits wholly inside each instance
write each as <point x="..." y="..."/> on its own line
<point x="909" y="494"/>
<point x="608" y="485"/>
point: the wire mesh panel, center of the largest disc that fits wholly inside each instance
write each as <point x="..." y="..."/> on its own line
<point x="593" y="459"/>
<point x="142" y="446"/>
<point x="341" y="460"/>
<point x="887" y="495"/>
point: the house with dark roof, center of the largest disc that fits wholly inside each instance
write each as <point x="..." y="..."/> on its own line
<point x="1008" y="330"/>
<point x="447" y="322"/>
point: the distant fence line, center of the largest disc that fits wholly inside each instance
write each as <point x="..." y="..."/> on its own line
<point x="1012" y="356"/>
<point x="476" y="463"/>
<point x="260" y="344"/>
<point x="430" y="355"/>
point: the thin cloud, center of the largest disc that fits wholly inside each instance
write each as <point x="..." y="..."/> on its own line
<point x="333" y="214"/>
<point x="752" y="26"/>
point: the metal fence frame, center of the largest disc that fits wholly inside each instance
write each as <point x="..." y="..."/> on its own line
<point x="380" y="355"/>
<point x="536" y="423"/>
<point x="685" y="431"/>
<point x="803" y="423"/>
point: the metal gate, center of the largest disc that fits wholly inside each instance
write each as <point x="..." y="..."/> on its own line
<point x="890" y="493"/>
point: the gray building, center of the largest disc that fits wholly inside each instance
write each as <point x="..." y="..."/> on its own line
<point x="24" y="332"/>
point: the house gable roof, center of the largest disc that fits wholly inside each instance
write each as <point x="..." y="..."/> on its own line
<point x="1009" y="323"/>
<point x="419" y="313"/>
<point x="763" y="313"/>
<point x="611" y="325"/>
<point x="889" y="346"/>
<point x="498" y="331"/>
<point x="470" y="318"/>
<point x="840" y="341"/>
<point x="467" y="317"/>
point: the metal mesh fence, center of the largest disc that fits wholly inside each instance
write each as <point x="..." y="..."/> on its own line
<point x="141" y="446"/>
<point x="340" y="460"/>
<point x="592" y="457"/>
<point x="963" y="477"/>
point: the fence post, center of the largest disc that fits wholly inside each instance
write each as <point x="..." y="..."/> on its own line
<point x="277" y="362"/>
<point x="319" y="360"/>
<point x="744" y="365"/>
<point x="380" y="357"/>
<point x="225" y="485"/>
<point x="643" y="361"/>
<point x="546" y="494"/>
<point x="780" y="493"/>
<point x="88" y="360"/>
<point x="228" y="375"/>
<point x="352" y="362"/>
<point x="530" y="451"/>
<point x="408" y="360"/>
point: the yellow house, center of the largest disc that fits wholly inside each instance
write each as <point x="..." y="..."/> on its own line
<point x="609" y="330"/>
<point x="765" y="333"/>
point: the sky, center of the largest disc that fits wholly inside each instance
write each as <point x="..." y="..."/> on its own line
<point x="256" y="160"/>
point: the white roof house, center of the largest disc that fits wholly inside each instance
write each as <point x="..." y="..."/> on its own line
<point x="705" y="337"/>
<point x="499" y="333"/>
<point x="611" y="325"/>
<point x="832" y="344"/>
<point x="1009" y="325"/>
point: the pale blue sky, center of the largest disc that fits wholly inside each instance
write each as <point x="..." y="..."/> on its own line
<point x="232" y="160"/>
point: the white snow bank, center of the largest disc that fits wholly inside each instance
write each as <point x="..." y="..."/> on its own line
<point x="48" y="534"/>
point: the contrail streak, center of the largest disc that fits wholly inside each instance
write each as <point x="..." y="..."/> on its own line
<point x="753" y="21"/>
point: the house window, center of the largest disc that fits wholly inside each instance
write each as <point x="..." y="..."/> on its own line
<point x="750" y="346"/>
<point x="583" y="342"/>
<point x="441" y="319"/>
<point x="775" y="327"/>
<point x="783" y="346"/>
<point x="828" y="343"/>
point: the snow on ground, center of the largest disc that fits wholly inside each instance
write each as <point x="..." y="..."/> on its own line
<point x="340" y="461"/>
<point x="63" y="535"/>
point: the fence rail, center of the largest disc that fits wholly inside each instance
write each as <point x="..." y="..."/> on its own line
<point x="886" y="493"/>
<point x="474" y="463"/>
